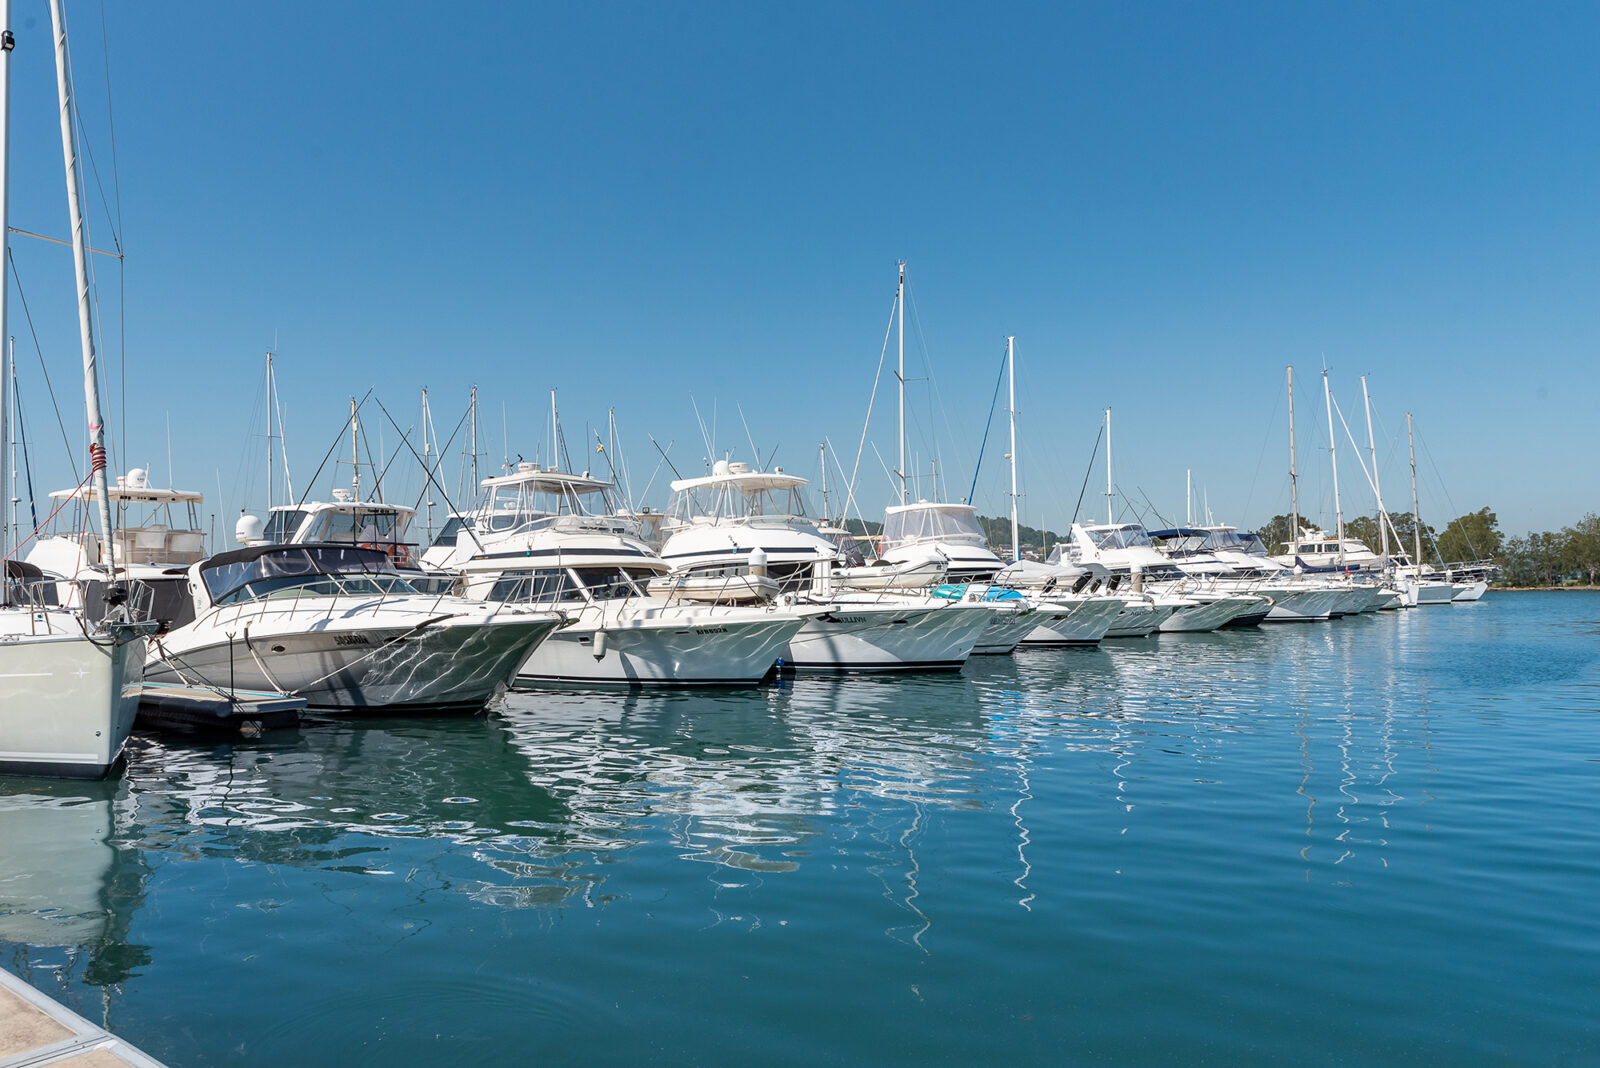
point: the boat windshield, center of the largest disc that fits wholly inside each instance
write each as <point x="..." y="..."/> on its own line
<point x="363" y="526"/>
<point x="1236" y="541"/>
<point x="447" y="533"/>
<point x="934" y="523"/>
<point x="755" y="499"/>
<point x="1131" y="536"/>
<point x="556" y="585"/>
<point x="298" y="571"/>
<point x="282" y="523"/>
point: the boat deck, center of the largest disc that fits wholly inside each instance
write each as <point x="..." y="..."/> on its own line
<point x="37" y="1030"/>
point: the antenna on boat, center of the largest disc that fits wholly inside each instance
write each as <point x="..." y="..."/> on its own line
<point x="900" y="376"/>
<point x="1011" y="374"/>
<point x="1294" y="485"/>
<point x="1333" y="454"/>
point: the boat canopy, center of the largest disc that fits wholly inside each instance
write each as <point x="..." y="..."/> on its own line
<point x="534" y="493"/>
<point x="1122" y="536"/>
<point x="737" y="493"/>
<point x="931" y="522"/>
<point x="229" y="572"/>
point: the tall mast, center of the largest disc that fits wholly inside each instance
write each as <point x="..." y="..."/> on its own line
<point x="269" y="433"/>
<point x="473" y="405"/>
<point x="355" y="453"/>
<point x="80" y="263"/>
<point x="900" y="375"/>
<point x="1188" y="497"/>
<point x="553" y="446"/>
<point x="7" y="42"/>
<point x="822" y="451"/>
<point x="1333" y="453"/>
<point x="1011" y="374"/>
<point x="1416" y="510"/>
<point x="1294" y="485"/>
<point x="427" y="462"/>
<point x="1377" y="488"/>
<point x="1110" y="512"/>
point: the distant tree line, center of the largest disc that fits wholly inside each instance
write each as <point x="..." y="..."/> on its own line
<point x="1543" y="558"/>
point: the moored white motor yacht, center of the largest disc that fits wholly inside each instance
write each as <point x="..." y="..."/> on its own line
<point x="737" y="521"/>
<point x="1126" y="549"/>
<point x="339" y="626"/>
<point x="157" y="537"/>
<point x="1234" y="557"/>
<point x="550" y="539"/>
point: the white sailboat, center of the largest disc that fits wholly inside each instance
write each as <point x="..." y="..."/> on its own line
<point x="70" y="687"/>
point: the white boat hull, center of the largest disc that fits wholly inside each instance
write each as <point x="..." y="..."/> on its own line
<point x="1306" y="606"/>
<point x="1082" y="622"/>
<point x="69" y="703"/>
<point x="1009" y="623"/>
<point x="703" y="649"/>
<point x="1470" y="591"/>
<point x="1138" y="619"/>
<point x="884" y="636"/>
<point x="1206" y="616"/>
<point x="361" y="668"/>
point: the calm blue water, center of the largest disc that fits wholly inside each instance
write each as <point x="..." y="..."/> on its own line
<point x="1359" y="843"/>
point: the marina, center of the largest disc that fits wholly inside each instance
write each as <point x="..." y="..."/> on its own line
<point x="1360" y="843"/>
<point x="570" y="640"/>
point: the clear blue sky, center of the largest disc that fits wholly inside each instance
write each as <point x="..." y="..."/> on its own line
<point x="636" y="203"/>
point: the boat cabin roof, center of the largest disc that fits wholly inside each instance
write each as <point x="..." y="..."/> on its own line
<point x="130" y="495"/>
<point x="746" y="481"/>
<point x="541" y="479"/>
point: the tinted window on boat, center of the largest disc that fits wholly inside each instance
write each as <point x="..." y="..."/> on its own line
<point x="544" y="584"/>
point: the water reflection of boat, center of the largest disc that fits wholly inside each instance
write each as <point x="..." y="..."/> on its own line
<point x="72" y="880"/>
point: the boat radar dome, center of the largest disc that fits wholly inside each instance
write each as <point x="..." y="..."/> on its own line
<point x="341" y="495"/>
<point x="248" y="530"/>
<point x="527" y="469"/>
<point x="720" y="467"/>
<point x="738" y="467"/>
<point x="137" y="478"/>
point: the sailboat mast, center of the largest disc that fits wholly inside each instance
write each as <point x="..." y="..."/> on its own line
<point x="1188" y="497"/>
<point x="269" y="434"/>
<point x="900" y="375"/>
<point x="1110" y="513"/>
<point x="553" y="445"/>
<point x="427" y="462"/>
<point x="355" y="453"/>
<point x="1416" y="510"/>
<point x="473" y="404"/>
<point x="1294" y="485"/>
<point x="1011" y="375"/>
<point x="1333" y="453"/>
<point x="1377" y="487"/>
<point x="80" y="263"/>
<point x="7" y="42"/>
<point x="822" y="452"/>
